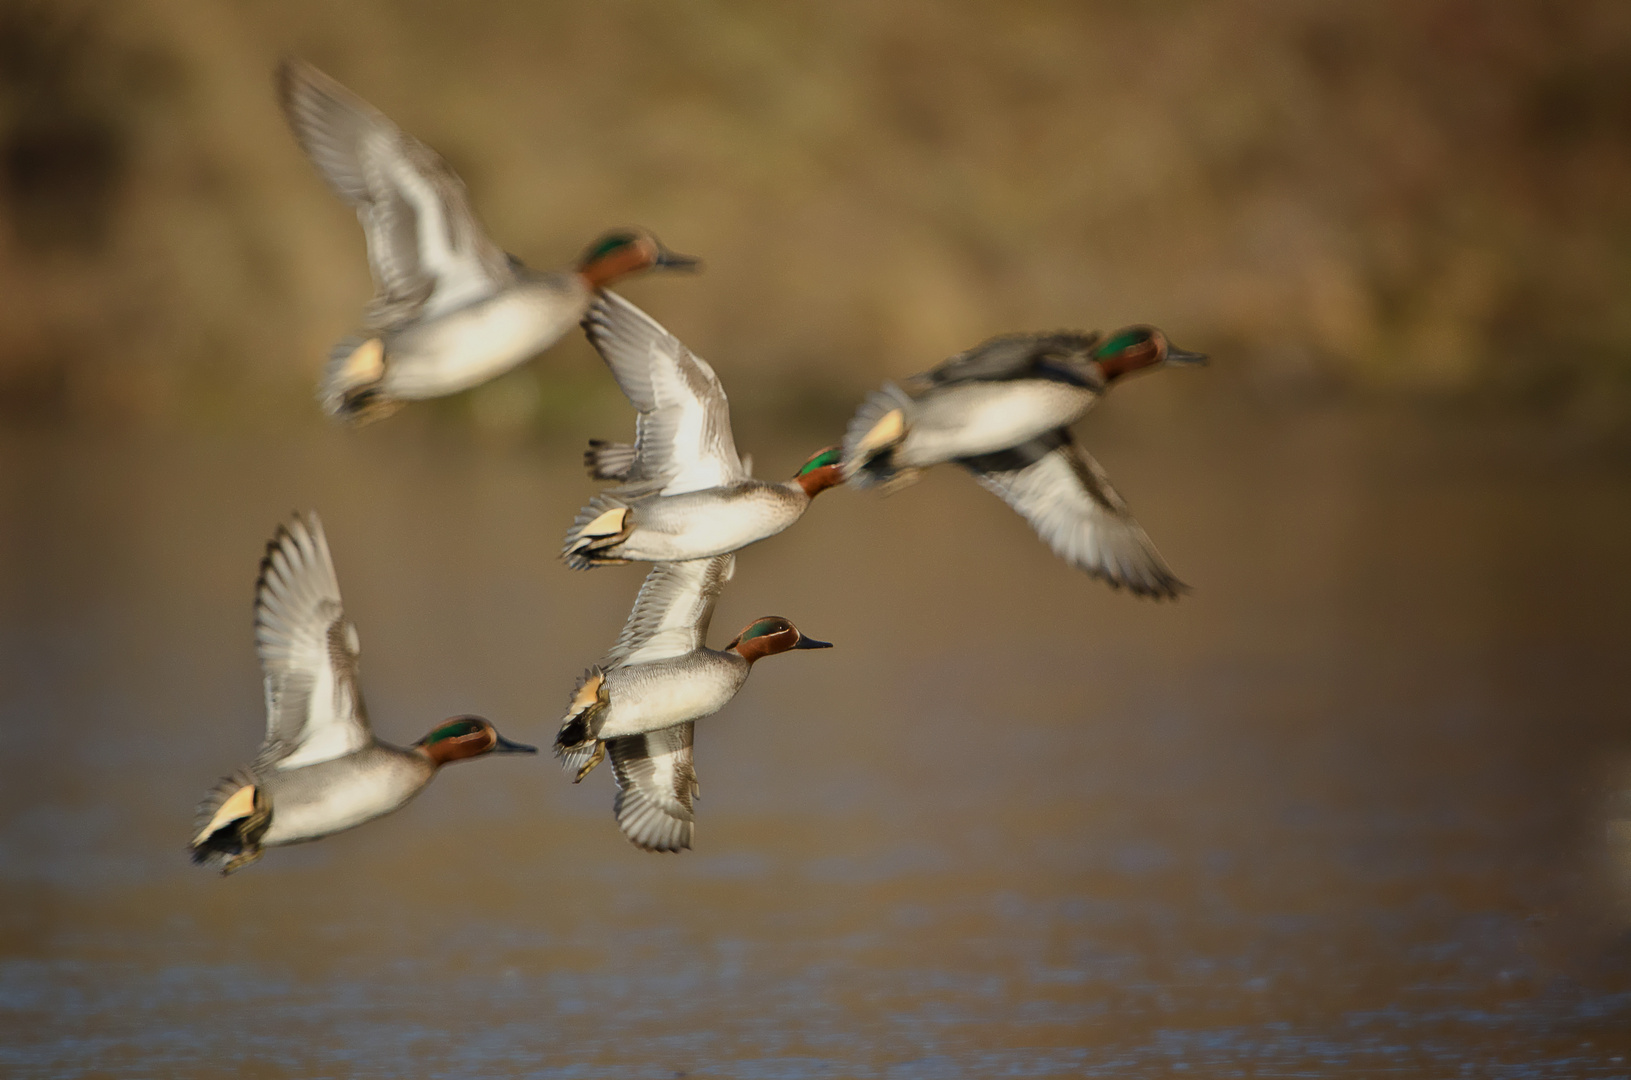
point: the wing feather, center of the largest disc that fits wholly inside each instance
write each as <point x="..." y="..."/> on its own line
<point x="428" y="253"/>
<point x="656" y="783"/>
<point x="672" y="611"/>
<point x="683" y="438"/>
<point x="308" y="652"/>
<point x="1071" y="504"/>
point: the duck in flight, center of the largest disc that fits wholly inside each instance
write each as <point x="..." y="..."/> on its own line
<point x="684" y="492"/>
<point x="450" y="310"/>
<point x="1003" y="411"/>
<point x="320" y="769"/>
<point x="640" y="704"/>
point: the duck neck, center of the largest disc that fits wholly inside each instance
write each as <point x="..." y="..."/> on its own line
<point x="816" y="481"/>
<point x="620" y="263"/>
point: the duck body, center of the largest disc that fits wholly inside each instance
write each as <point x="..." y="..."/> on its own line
<point x="313" y="801"/>
<point x="320" y="769"/>
<point x="648" y="697"/>
<point x="968" y="419"/>
<point x="450" y="309"/>
<point x="690" y="525"/>
<point x="1003" y="411"/>
<point x="685" y="493"/>
<point x="480" y="341"/>
<point x="640" y="704"/>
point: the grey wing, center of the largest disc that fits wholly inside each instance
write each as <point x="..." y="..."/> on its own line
<point x="683" y="438"/>
<point x="1059" y="355"/>
<point x="427" y="252"/>
<point x="672" y="611"/>
<point x="656" y="782"/>
<point x="1068" y="500"/>
<point x="308" y="652"/>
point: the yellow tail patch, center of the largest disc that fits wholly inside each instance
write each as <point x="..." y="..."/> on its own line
<point x="587" y="694"/>
<point x="365" y="364"/>
<point x="608" y="524"/>
<point x="886" y="431"/>
<point x="240" y="804"/>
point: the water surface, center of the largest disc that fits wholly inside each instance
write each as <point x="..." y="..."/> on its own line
<point x="1350" y="809"/>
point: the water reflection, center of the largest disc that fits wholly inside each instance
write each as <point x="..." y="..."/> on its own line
<point x="1341" y="812"/>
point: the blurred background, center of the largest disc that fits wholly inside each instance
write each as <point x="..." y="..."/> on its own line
<point x="1424" y="199"/>
<point x="1359" y="804"/>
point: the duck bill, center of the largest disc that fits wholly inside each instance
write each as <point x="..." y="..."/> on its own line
<point x="505" y="746"/>
<point x="812" y="643"/>
<point x="1183" y="356"/>
<point x="673" y="260"/>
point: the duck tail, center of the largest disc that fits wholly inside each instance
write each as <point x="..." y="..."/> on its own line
<point x="232" y="819"/>
<point x="351" y="387"/>
<point x="609" y="460"/>
<point x="598" y="528"/>
<point x="575" y="744"/>
<point x="876" y="430"/>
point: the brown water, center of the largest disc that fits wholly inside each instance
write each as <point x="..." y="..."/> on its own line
<point x="1348" y="810"/>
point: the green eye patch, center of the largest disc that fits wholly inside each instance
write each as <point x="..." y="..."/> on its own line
<point x="455" y="729"/>
<point x="821" y="461"/>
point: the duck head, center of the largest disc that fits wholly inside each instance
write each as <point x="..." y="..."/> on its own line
<point x="628" y="251"/>
<point x="769" y="636"/>
<point x="1135" y="348"/>
<point x="824" y="470"/>
<point x="467" y="737"/>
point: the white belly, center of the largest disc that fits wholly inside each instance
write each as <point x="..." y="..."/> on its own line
<point x="648" y="703"/>
<point x="307" y="811"/>
<point x="474" y="344"/>
<point x="983" y="418"/>
<point x="680" y="527"/>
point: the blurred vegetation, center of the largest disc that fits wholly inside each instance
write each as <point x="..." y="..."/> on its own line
<point x="1420" y="197"/>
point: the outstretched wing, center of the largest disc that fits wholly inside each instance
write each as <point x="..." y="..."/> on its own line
<point x="427" y="252"/>
<point x="656" y="782"/>
<point x="683" y="436"/>
<point x="1068" y="500"/>
<point x="308" y="651"/>
<point x="672" y="612"/>
<point x="1061" y="355"/>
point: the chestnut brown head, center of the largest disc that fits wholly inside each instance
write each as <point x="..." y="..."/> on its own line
<point x="618" y="254"/>
<point x="1136" y="348"/>
<point x="824" y="470"/>
<point x="771" y="635"/>
<point x="466" y="737"/>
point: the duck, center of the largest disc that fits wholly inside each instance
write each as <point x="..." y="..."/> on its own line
<point x="684" y="492"/>
<point x="451" y="309"/>
<point x="640" y="704"/>
<point x="320" y="770"/>
<point x="1003" y="411"/>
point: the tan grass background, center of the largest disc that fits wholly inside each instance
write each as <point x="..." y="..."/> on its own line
<point x="1421" y="197"/>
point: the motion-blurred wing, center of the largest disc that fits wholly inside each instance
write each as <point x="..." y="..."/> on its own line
<point x="308" y="651"/>
<point x="427" y="252"/>
<point x="1062" y="355"/>
<point x="1068" y="500"/>
<point x="672" y="612"/>
<point x="656" y="782"/>
<point x="683" y="436"/>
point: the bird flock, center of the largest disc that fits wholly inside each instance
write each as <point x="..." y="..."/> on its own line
<point x="451" y="310"/>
